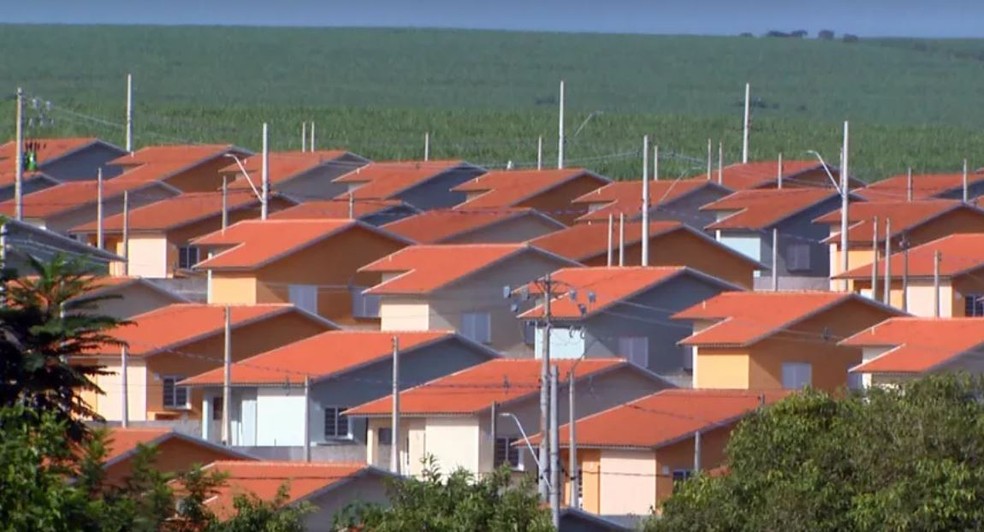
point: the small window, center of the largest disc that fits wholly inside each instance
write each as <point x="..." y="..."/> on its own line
<point x="507" y="452"/>
<point x="796" y="375"/>
<point x="188" y="256"/>
<point x="385" y="435"/>
<point x="304" y="296"/>
<point x="217" y="409"/>
<point x="336" y="424"/>
<point x="364" y="305"/>
<point x="174" y="396"/>
<point x="635" y="349"/>
<point x="798" y="257"/>
<point x="974" y="305"/>
<point x="477" y="326"/>
<point x="529" y="332"/>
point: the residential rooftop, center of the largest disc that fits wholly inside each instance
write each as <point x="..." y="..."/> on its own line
<point x="386" y="180"/>
<point x="924" y="186"/>
<point x="918" y="345"/>
<point x="960" y="254"/>
<point x="285" y="165"/>
<point x="904" y="216"/>
<point x="510" y="188"/>
<point x="175" y="212"/>
<point x="437" y="226"/>
<point x="625" y="197"/>
<point x="763" y="208"/>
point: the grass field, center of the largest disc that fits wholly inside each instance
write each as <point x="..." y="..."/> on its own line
<point x="486" y="96"/>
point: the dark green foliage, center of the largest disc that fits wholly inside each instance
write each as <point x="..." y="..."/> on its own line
<point x="906" y="459"/>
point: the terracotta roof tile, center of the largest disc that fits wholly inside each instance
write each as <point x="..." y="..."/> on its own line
<point x="607" y="286"/>
<point x="173" y="153"/>
<point x="9" y="177"/>
<point x="337" y="208"/>
<point x="918" y="345"/>
<point x="759" y="174"/>
<point x="585" y="241"/>
<point x="435" y="227"/>
<point x="70" y="196"/>
<point x="121" y="441"/>
<point x="744" y="318"/>
<point x="509" y="188"/>
<point x="174" y="212"/>
<point x="664" y="418"/>
<point x="760" y="209"/>
<point x="905" y="216"/>
<point x="959" y="254"/>
<point x="320" y="356"/>
<point x="285" y="165"/>
<point x="51" y="148"/>
<point x="387" y="179"/>
<point x="473" y="389"/>
<point x="924" y="186"/>
<point x="625" y="197"/>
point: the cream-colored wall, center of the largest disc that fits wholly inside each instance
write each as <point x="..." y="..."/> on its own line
<point x="110" y="405"/>
<point x="868" y="354"/>
<point x="716" y="369"/>
<point x="453" y="442"/>
<point x="416" y="446"/>
<point x="148" y="256"/>
<point x="398" y="314"/>
<point x="921" y="296"/>
<point x="232" y="289"/>
<point x="628" y="482"/>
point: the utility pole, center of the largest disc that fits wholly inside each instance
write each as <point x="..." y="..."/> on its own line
<point x="560" y="129"/>
<point x="427" y="146"/>
<point x="129" y="113"/>
<point x="720" y="163"/>
<point x="904" y="244"/>
<point x="844" y="185"/>
<point x="99" y="208"/>
<point x="710" y="167"/>
<point x="395" y="431"/>
<point x="351" y="206"/>
<point x="874" y="261"/>
<point x="19" y="157"/>
<point x="494" y="428"/>
<point x="697" y="449"/>
<point x="746" y="124"/>
<point x="125" y="391"/>
<point x="311" y="143"/>
<point x="610" y="224"/>
<point x="265" y="176"/>
<point x="887" y="296"/>
<point x="645" y="200"/>
<point x="303" y="136"/>
<point x="937" y="259"/>
<point x="621" y="239"/>
<point x="656" y="162"/>
<point x="545" y="385"/>
<point x="126" y="233"/>
<point x="225" y="202"/>
<point x="307" y="418"/>
<point x="965" y="196"/>
<point x="908" y="185"/>
<point x="779" y="172"/>
<point x="554" y="452"/>
<point x="539" y="153"/>
<point x="572" y="467"/>
<point x="226" y="376"/>
<point x="775" y="259"/>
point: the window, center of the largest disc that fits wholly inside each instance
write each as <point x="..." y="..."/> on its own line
<point x="796" y="375"/>
<point x="174" y="396"/>
<point x="477" y="326"/>
<point x="506" y="452"/>
<point x="385" y="435"/>
<point x="336" y="424"/>
<point x="635" y="349"/>
<point x="798" y="257"/>
<point x="217" y="409"/>
<point x="679" y="476"/>
<point x="304" y="296"/>
<point x="529" y="333"/>
<point x="974" y="305"/>
<point x="364" y="306"/>
<point x="188" y="256"/>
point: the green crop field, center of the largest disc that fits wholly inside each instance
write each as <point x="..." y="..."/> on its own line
<point x="486" y="96"/>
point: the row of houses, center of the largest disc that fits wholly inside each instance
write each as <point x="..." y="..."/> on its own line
<point x="664" y="334"/>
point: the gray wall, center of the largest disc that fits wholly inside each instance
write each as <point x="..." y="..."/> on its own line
<point x="388" y="216"/>
<point x="83" y="165"/>
<point x="317" y="183"/>
<point x="687" y="209"/>
<point x="797" y="230"/>
<point x="436" y="193"/>
<point x="30" y="185"/>
<point x="369" y="488"/>
<point x="974" y="190"/>
<point x="603" y="330"/>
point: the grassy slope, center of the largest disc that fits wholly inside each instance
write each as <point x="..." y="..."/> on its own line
<point x="485" y="96"/>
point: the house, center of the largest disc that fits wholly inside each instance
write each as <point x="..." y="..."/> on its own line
<point x="778" y="340"/>
<point x="174" y="452"/>
<point x="188" y="168"/>
<point x="748" y="221"/>
<point x="634" y="471"/>
<point x="925" y="186"/>
<point x="30" y="182"/>
<point x="63" y="207"/>
<point x="125" y="297"/>
<point x="460" y="287"/>
<point x="900" y="349"/>
<point x="765" y="174"/>
<point x="670" y="244"/>
<point x="342" y="369"/>
<point x="172" y="343"/>
<point x="911" y="223"/>
<point x="24" y="241"/>
<point x="370" y="211"/>
<point x="303" y="175"/>
<point x="956" y="260"/>
<point x="676" y="200"/>
<point x="450" y="418"/>
<point x="313" y="264"/>
<point x="624" y="312"/>
<point x="498" y="226"/>
<point x="329" y="487"/>
<point x="551" y="192"/>
<point x="65" y="159"/>
<point x="160" y="234"/>
<point x="425" y="185"/>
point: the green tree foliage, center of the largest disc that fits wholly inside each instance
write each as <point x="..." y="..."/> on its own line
<point x="910" y="458"/>
<point x="456" y="502"/>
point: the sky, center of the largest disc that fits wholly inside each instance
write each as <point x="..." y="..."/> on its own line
<point x="868" y="18"/>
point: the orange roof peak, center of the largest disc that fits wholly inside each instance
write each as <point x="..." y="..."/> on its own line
<point x="917" y="345"/>
<point x="762" y="208"/>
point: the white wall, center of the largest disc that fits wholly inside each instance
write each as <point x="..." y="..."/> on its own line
<point x="868" y="354"/>
<point x="279" y="418"/>
<point x="628" y="482"/>
<point x="921" y="296"/>
<point x="562" y="343"/>
<point x="453" y="442"/>
<point x="148" y="256"/>
<point x="748" y="245"/>
<point x="110" y="406"/>
<point x="404" y="315"/>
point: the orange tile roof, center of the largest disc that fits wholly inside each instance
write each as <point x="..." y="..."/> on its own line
<point x="763" y="208"/>
<point x="426" y="268"/>
<point x="174" y="212"/>
<point x="905" y="216"/>
<point x="434" y="227"/>
<point x="181" y="323"/>
<point x="256" y="243"/>
<point x="585" y="241"/>
<point x="918" y="345"/>
<point x="336" y="208"/>
<point x="320" y="357"/>
<point x="924" y="186"/>
<point x="70" y="196"/>
<point x="49" y="149"/>
<point x="387" y="179"/>
<point x="174" y="153"/>
<point x="9" y="177"/>
<point x="607" y="286"/>
<point x="121" y="441"/>
<point x="744" y="318"/>
<point x="625" y="197"/>
<point x="665" y="418"/>
<point x="473" y="390"/>
<point x="757" y="174"/>
<point x="509" y="188"/>
<point x="264" y="479"/>
<point x="959" y="254"/>
<point x="284" y="165"/>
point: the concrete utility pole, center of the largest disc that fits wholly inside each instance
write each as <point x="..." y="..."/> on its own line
<point x="908" y="184"/>
<point x="572" y="468"/>
<point x="19" y="156"/>
<point x="539" y="153"/>
<point x="611" y="223"/>
<point x="427" y="146"/>
<point x="311" y="143"/>
<point x="621" y="239"/>
<point x="645" y="200"/>
<point x="710" y="165"/>
<point x="126" y="233"/>
<point x="226" y="376"/>
<point x="937" y="259"/>
<point x="99" y="208"/>
<point x="697" y="449"/>
<point x="775" y="259"/>
<point x="307" y="418"/>
<point x="124" y="384"/>
<point x="844" y="190"/>
<point x="265" y="176"/>
<point x="965" y="196"/>
<point x="129" y="113"/>
<point x="874" y="261"/>
<point x="303" y="137"/>
<point x="720" y="163"/>
<point x="547" y="285"/>
<point x="887" y="296"/>
<point x="395" y="430"/>
<point x="656" y="162"/>
<point x="225" y="202"/>
<point x="351" y="207"/>
<point x="746" y="124"/>
<point x="779" y="172"/>
<point x="560" y="129"/>
<point x="554" y="451"/>
<point x="904" y="244"/>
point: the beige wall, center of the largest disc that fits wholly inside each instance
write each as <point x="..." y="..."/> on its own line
<point x="922" y="299"/>
<point x="110" y="405"/>
<point x="627" y="483"/>
<point x="453" y="442"/>
<point x="148" y="256"/>
<point x="399" y="314"/>
<point x="232" y="289"/>
<point x="717" y="368"/>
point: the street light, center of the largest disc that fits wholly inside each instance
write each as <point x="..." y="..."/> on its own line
<point x="529" y="446"/>
<point x="825" y="169"/>
<point x="242" y="168"/>
<point x="843" y="190"/>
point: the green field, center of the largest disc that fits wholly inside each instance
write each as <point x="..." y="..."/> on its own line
<point x="486" y="96"/>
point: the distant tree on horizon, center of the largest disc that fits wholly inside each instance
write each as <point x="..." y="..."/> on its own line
<point x="825" y="35"/>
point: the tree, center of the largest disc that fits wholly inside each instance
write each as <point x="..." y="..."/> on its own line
<point x="910" y="458"/>
<point x="457" y="502"/>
